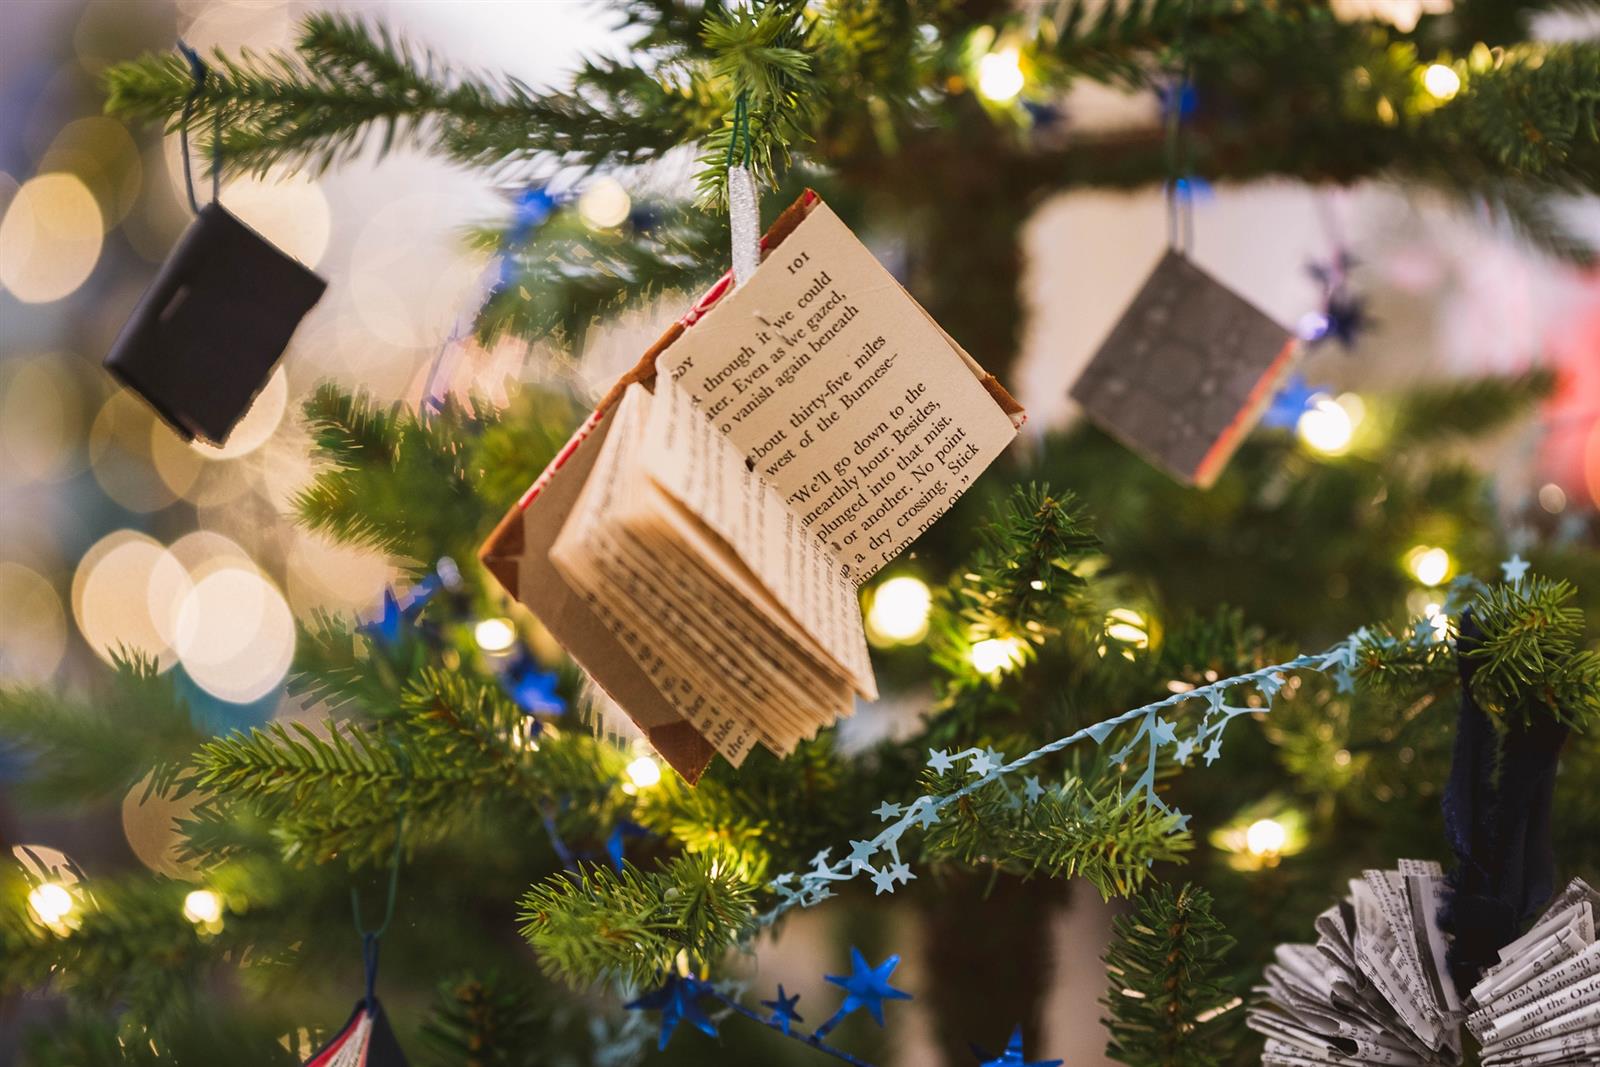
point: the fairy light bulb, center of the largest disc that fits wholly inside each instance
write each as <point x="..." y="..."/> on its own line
<point x="1441" y="82"/>
<point x="50" y="903"/>
<point x="995" y="654"/>
<point x="203" y="907"/>
<point x="900" y="609"/>
<point x="1128" y="626"/>
<point x="495" y="635"/>
<point x="1428" y="565"/>
<point x="1000" y="77"/>
<point x="1326" y="426"/>
<point x="1266" y="837"/>
<point x="604" y="204"/>
<point x="644" y="772"/>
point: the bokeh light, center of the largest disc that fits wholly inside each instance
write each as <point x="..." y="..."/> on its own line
<point x="126" y="593"/>
<point x="1266" y="837"/>
<point x="203" y="907"/>
<point x="495" y="635"/>
<point x="291" y="211"/>
<point x="1429" y="565"/>
<point x="34" y="637"/>
<point x="1326" y="426"/>
<point x="235" y="634"/>
<point x="50" y="238"/>
<point x="644" y="772"/>
<point x="899" y="611"/>
<point x="995" y="655"/>
<point x="604" y="204"/>
<point x="1000" y="77"/>
<point x="150" y="826"/>
<point x="1128" y="626"/>
<point x="122" y="457"/>
<point x="1441" y="82"/>
<point x="41" y="420"/>
<point x="102" y="154"/>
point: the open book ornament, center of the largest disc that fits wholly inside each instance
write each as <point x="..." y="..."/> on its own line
<point x="203" y="339"/>
<point x="1186" y="372"/>
<point x="697" y="545"/>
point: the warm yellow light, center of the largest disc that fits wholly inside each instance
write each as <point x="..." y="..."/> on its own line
<point x="1430" y="566"/>
<point x="1266" y="837"/>
<point x="1326" y="426"/>
<point x="604" y="204"/>
<point x="1000" y="76"/>
<point x="495" y="635"/>
<point x="50" y="903"/>
<point x="899" y="611"/>
<point x="1128" y="626"/>
<point x="995" y="654"/>
<point x="203" y="907"/>
<point x="644" y="772"/>
<point x="50" y="238"/>
<point x="1438" y="620"/>
<point x="1441" y="82"/>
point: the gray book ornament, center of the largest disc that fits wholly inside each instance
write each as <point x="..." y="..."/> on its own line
<point x="205" y="336"/>
<point x="1186" y="372"/>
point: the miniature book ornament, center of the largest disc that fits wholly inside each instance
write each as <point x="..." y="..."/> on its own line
<point x="366" y="1040"/>
<point x="697" y="545"/>
<point x="1186" y="372"/>
<point x="205" y="336"/>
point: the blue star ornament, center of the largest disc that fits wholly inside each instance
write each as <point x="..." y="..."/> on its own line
<point x="1289" y="403"/>
<point x="783" y="1013"/>
<point x="1515" y="568"/>
<point x="867" y="987"/>
<point x="385" y="629"/>
<point x="1012" y="1056"/>
<point x="533" y="689"/>
<point x="678" y="1000"/>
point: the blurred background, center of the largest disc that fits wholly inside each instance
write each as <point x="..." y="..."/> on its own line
<point x="114" y="531"/>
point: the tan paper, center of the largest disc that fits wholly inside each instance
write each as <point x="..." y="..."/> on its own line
<point x="698" y="549"/>
<point x="843" y="394"/>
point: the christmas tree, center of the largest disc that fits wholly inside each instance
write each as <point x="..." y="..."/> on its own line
<point x="465" y="786"/>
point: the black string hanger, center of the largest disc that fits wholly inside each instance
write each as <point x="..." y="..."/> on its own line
<point x="198" y="68"/>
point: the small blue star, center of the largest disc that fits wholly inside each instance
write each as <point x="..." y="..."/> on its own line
<point x="1185" y="749"/>
<point x="1344" y="681"/>
<point x="882" y="881"/>
<point x="1183" y="821"/>
<point x="860" y="853"/>
<point x="927" y="815"/>
<point x="783" y="1012"/>
<point x="887" y="811"/>
<point x="385" y="629"/>
<point x="1215" y="751"/>
<point x="533" y="689"/>
<point x="1269" y="684"/>
<point x="867" y="987"/>
<point x="819" y="862"/>
<point x="981" y="764"/>
<point x="1012" y="1056"/>
<point x="678" y="1000"/>
<point x="1515" y="568"/>
<point x="940" y="761"/>
<point x="1164" y="732"/>
<point x="1032" y="789"/>
<point x="901" y="873"/>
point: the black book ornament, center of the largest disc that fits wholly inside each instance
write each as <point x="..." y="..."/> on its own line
<point x="205" y="336"/>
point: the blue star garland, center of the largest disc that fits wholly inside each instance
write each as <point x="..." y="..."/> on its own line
<point x="864" y="987"/>
<point x="783" y="1011"/>
<point x="1152" y="730"/>
<point x="532" y="687"/>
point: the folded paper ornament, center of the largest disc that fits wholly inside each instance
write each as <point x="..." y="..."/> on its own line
<point x="204" y="338"/>
<point x="698" y="543"/>
<point x="1186" y="372"/>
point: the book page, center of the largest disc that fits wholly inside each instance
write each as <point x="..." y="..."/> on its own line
<point x="841" y="393"/>
<point x="579" y="553"/>
<point x="702" y="469"/>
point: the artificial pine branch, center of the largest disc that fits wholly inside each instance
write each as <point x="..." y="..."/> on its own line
<point x="629" y="926"/>
<point x="87" y="750"/>
<point x="1529" y="659"/>
<point x="1170" y="1003"/>
<point x="1074" y="830"/>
